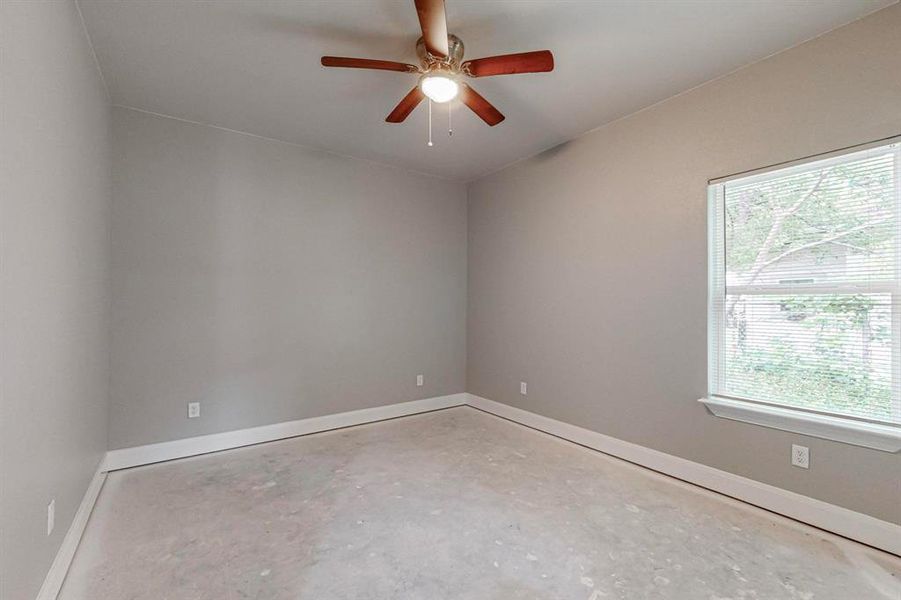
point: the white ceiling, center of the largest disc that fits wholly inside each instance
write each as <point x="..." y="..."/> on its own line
<point x="253" y="66"/>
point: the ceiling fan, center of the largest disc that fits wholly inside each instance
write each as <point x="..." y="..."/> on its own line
<point x="442" y="67"/>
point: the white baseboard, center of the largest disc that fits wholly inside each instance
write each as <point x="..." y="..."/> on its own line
<point x="152" y="453"/>
<point x="53" y="582"/>
<point x="842" y="521"/>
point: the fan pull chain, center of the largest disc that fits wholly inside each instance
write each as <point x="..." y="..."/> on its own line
<point x="450" y="125"/>
<point x="430" y="123"/>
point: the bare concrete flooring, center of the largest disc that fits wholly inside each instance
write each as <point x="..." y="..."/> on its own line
<point x="452" y="504"/>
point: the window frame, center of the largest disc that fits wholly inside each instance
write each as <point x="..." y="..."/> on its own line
<point x="848" y="429"/>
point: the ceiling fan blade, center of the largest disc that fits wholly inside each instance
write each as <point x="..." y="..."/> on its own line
<point x="406" y="106"/>
<point x="480" y="106"/>
<point x="539" y="61"/>
<point x="367" y="63"/>
<point x="433" y="22"/>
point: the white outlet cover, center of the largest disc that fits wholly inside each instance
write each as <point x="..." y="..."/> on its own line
<point x="419" y="380"/>
<point x="523" y="388"/>
<point x="193" y="410"/>
<point x="801" y="456"/>
<point x="51" y="516"/>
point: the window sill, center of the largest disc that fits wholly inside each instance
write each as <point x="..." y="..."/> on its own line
<point x="869" y="435"/>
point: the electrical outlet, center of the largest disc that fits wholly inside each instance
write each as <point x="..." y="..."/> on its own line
<point x="419" y="381"/>
<point x="523" y="388"/>
<point x="193" y="410"/>
<point x="51" y="516"/>
<point x="800" y="456"/>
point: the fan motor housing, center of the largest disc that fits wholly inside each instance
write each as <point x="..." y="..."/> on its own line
<point x="454" y="57"/>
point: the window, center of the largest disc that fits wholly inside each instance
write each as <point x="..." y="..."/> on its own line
<point x="805" y="297"/>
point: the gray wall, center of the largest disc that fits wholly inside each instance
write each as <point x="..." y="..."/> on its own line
<point x="272" y="282"/>
<point x="54" y="227"/>
<point x="587" y="264"/>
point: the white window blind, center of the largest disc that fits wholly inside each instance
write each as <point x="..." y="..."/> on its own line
<point x="805" y="291"/>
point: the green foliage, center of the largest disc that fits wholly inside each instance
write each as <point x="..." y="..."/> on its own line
<point x="807" y="207"/>
<point x="796" y="386"/>
<point x="828" y="372"/>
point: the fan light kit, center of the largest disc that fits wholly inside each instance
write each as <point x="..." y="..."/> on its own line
<point x="439" y="88"/>
<point x="442" y="67"/>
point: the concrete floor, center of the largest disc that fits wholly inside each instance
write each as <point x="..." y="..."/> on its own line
<point x="453" y="504"/>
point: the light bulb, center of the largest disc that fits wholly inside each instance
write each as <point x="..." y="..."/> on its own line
<point x="439" y="88"/>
